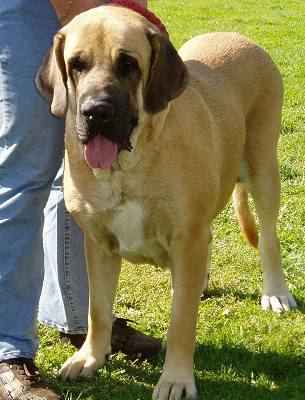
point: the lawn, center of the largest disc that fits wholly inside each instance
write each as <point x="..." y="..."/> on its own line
<point x="242" y="353"/>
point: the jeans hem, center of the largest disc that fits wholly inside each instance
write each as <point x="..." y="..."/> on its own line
<point x="53" y="325"/>
<point x="16" y="354"/>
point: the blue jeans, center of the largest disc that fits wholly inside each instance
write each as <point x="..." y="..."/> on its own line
<point x="31" y="150"/>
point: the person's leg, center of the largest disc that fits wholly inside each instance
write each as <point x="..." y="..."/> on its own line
<point x="31" y="144"/>
<point x="64" y="298"/>
<point x="31" y="151"/>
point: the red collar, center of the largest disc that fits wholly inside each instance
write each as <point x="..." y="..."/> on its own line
<point x="150" y="16"/>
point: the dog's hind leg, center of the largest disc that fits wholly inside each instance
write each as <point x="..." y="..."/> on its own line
<point x="266" y="196"/>
<point x="262" y="179"/>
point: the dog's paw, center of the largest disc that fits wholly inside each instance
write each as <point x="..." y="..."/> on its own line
<point x="278" y="302"/>
<point x="175" y="386"/>
<point x="81" y="365"/>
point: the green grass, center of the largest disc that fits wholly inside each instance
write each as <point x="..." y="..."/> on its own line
<point x="247" y="354"/>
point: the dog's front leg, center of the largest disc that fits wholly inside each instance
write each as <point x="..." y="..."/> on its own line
<point x="103" y="273"/>
<point x="190" y="254"/>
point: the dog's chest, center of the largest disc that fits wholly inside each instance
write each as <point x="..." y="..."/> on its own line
<point x="128" y="224"/>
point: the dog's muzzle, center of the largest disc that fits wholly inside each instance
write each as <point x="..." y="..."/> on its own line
<point x="104" y="131"/>
<point x="107" y="118"/>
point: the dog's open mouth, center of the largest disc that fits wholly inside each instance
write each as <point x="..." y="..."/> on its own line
<point x="101" y="152"/>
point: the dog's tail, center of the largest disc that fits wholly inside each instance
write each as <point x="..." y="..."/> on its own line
<point x="244" y="215"/>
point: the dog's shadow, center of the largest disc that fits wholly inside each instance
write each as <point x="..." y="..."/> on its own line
<point x="235" y="373"/>
<point x="224" y="372"/>
<point x="225" y="292"/>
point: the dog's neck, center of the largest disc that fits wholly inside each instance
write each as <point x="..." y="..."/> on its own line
<point x="146" y="133"/>
<point x="149" y="15"/>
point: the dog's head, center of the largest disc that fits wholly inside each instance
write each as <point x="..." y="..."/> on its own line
<point x="109" y="66"/>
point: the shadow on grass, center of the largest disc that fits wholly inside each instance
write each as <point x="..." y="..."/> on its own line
<point x="225" y="292"/>
<point x="235" y="373"/>
<point x="224" y="373"/>
<point x="254" y="296"/>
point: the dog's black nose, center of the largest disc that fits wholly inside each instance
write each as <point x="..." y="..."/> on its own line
<point x="98" y="113"/>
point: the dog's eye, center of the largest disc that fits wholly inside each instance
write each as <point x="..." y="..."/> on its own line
<point x="131" y="65"/>
<point x="77" y="65"/>
<point x="128" y="65"/>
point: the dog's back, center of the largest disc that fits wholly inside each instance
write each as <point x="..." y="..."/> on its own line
<point x="231" y="66"/>
<point x="243" y="90"/>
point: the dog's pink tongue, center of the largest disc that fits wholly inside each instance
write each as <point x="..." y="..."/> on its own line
<point x="100" y="152"/>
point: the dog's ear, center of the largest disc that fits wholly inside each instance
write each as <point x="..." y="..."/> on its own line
<point x="51" y="79"/>
<point x="168" y="75"/>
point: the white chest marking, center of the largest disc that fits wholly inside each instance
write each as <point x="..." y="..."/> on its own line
<point x="128" y="226"/>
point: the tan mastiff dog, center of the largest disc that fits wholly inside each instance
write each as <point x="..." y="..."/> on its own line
<point x="154" y="148"/>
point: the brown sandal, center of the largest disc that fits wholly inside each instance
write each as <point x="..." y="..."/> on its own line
<point x="20" y="380"/>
